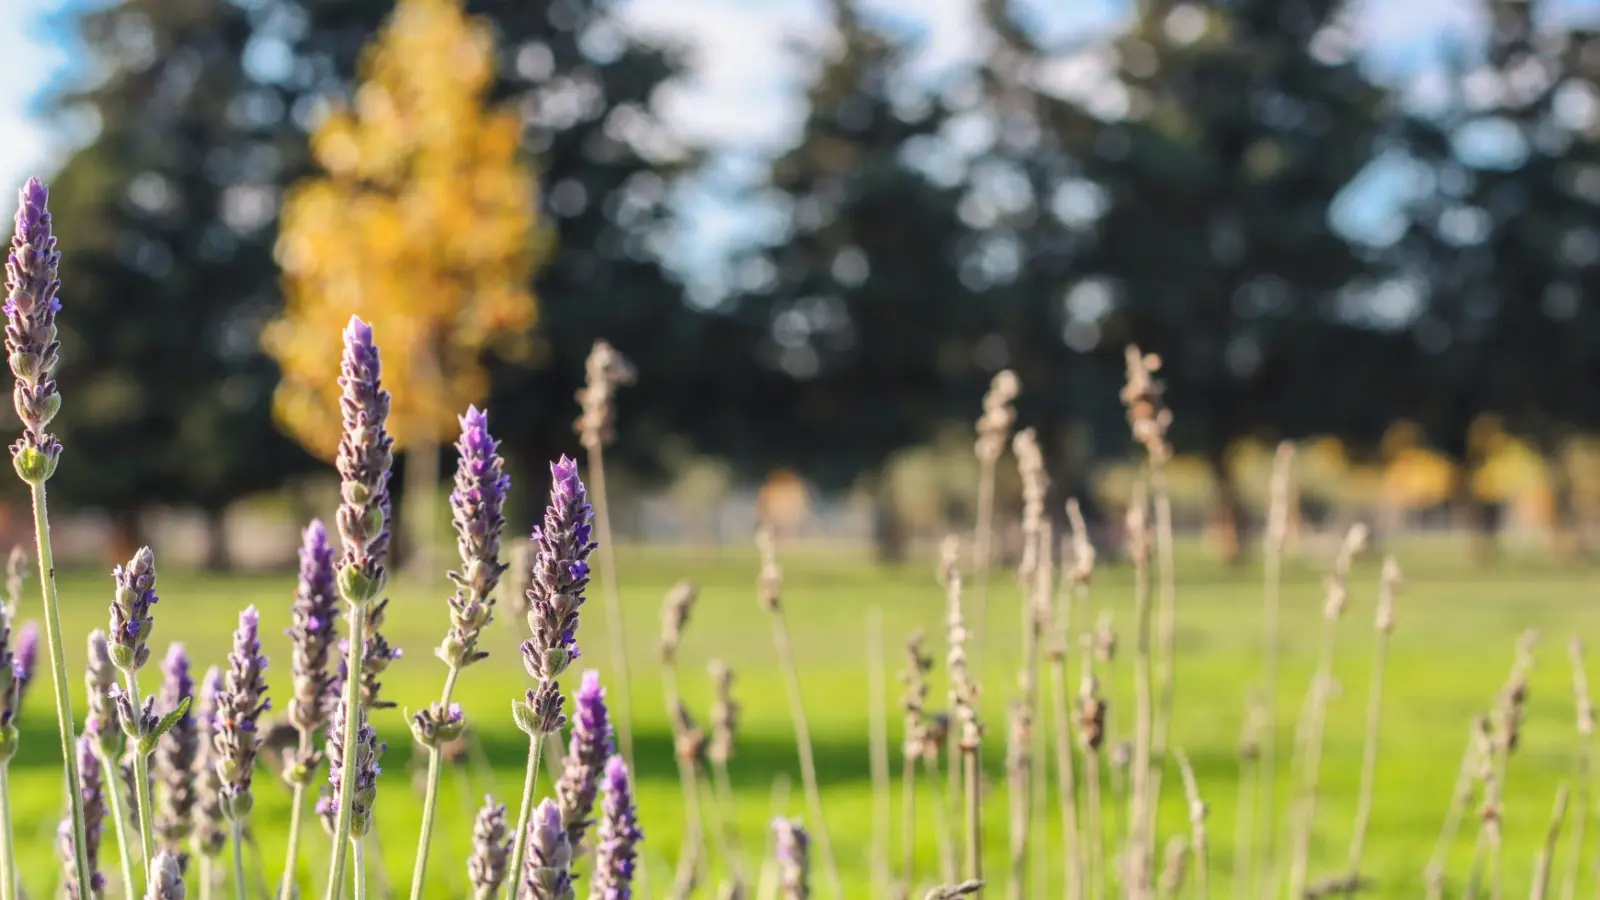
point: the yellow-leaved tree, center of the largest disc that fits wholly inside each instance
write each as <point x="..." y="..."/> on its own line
<point x="423" y="222"/>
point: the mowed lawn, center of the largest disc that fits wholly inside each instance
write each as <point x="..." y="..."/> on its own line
<point x="1457" y="626"/>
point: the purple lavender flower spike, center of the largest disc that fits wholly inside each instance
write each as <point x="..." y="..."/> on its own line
<point x="547" y="871"/>
<point x="491" y="850"/>
<point x="244" y="698"/>
<point x="619" y="834"/>
<point x="31" y="305"/>
<point x="27" y="657"/>
<point x="376" y="655"/>
<point x="560" y="575"/>
<point x="366" y="453"/>
<point x="11" y="679"/>
<point x="591" y="745"/>
<point x="314" y="632"/>
<point x="91" y="790"/>
<point x="166" y="878"/>
<point x="100" y="680"/>
<point x="365" y="790"/>
<point x="792" y="846"/>
<point x="177" y="756"/>
<point x="476" y="507"/>
<point x="210" y="823"/>
<point x="131" y="622"/>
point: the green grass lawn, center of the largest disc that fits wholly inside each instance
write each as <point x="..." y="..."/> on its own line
<point x="1452" y="649"/>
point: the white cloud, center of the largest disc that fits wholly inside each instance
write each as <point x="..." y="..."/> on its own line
<point x="30" y="61"/>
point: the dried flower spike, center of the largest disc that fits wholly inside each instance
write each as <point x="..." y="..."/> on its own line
<point x="724" y="714"/>
<point x="31" y="346"/>
<point x="606" y="370"/>
<point x="619" y="836"/>
<point x="491" y="850"/>
<point x="1144" y="396"/>
<point x="998" y="415"/>
<point x="476" y="509"/>
<point x="792" y="846"/>
<point x="675" y="609"/>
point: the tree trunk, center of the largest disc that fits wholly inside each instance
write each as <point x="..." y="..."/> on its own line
<point x="422" y="497"/>
<point x="219" y="555"/>
<point x="1229" y="519"/>
<point x="888" y="531"/>
<point x="1567" y="542"/>
<point x="127" y="534"/>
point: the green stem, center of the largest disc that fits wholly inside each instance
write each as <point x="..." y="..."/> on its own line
<point x="291" y="862"/>
<point x="239" y="889"/>
<point x="518" y="840"/>
<point x="141" y="784"/>
<point x="119" y="821"/>
<point x="58" y="671"/>
<point x="208" y="875"/>
<point x="8" y="850"/>
<point x="430" y="797"/>
<point x="352" y="724"/>
<point x="358" y="850"/>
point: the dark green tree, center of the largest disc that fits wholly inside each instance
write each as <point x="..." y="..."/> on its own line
<point x="1192" y="189"/>
<point x="167" y="220"/>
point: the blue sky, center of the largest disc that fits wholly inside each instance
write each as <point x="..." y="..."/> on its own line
<point x="741" y="95"/>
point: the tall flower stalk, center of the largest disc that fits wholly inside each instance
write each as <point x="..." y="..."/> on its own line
<point x="366" y="453"/>
<point x="237" y="739"/>
<point x="33" y="353"/>
<point x="128" y="640"/>
<point x="619" y="834"/>
<point x="476" y="509"/>
<point x="591" y="744"/>
<point x="313" y="635"/>
<point x="607" y="370"/>
<point x="560" y="577"/>
<point x="491" y="851"/>
<point x="675" y="612"/>
<point x="360" y="780"/>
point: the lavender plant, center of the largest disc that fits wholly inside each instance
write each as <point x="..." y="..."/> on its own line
<point x="210" y="822"/>
<point x="11" y="679"/>
<point x="27" y="658"/>
<point x="491" y="850"/>
<point x="166" y="878"/>
<point x="548" y="872"/>
<point x="33" y="353"/>
<point x="476" y="510"/>
<point x="91" y="798"/>
<point x="102" y="727"/>
<point x="236" y="738"/>
<point x="616" y="853"/>
<point x="366" y="453"/>
<point x="591" y="744"/>
<point x="560" y="576"/>
<point x="312" y="634"/>
<point x="792" y="846"/>
<point x="128" y="642"/>
<point x="176" y="758"/>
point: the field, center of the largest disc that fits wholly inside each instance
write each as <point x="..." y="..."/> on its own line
<point x="1452" y="649"/>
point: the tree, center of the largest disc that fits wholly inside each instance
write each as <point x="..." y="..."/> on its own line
<point x="423" y="223"/>
<point x="1192" y="193"/>
<point x="166" y="218"/>
<point x="1509" y="325"/>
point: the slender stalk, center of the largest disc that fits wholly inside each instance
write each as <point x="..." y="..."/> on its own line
<point x="1460" y="797"/>
<point x="1582" y="763"/>
<point x="941" y="822"/>
<point x="430" y="795"/>
<point x="58" y="673"/>
<point x="119" y="821"/>
<point x="908" y="825"/>
<point x="808" y="763"/>
<point x="1018" y="795"/>
<point x="722" y="794"/>
<point x="141" y="786"/>
<point x="519" y="839"/>
<point x="1094" y="870"/>
<point x="1263" y="871"/>
<point x="1197" y="827"/>
<point x="1369" y="753"/>
<point x="767" y="880"/>
<point x="352" y="724"/>
<point x="878" y="740"/>
<point x="693" y="851"/>
<point x="972" y="782"/>
<point x="1541" y="870"/>
<point x="1072" y="849"/>
<point x="8" y="849"/>
<point x="983" y="546"/>
<point x="618" y="695"/>
<point x="208" y="875"/>
<point x="1244" y="825"/>
<point x="358" y="850"/>
<point x="297" y="802"/>
<point x="1166" y="625"/>
<point x="1141" y="853"/>
<point x="239" y="888"/>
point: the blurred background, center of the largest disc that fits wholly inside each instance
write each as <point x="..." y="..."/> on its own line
<point x="818" y="230"/>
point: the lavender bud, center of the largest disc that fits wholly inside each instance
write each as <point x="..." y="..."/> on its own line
<point x="91" y="790"/>
<point x="27" y="657"/>
<point x="475" y="508"/>
<point x="239" y="708"/>
<point x="176" y="757"/>
<point x="375" y="657"/>
<point x="792" y="846"/>
<point x="366" y="453"/>
<point x="540" y="712"/>
<point x="136" y="722"/>
<point x="619" y="834"/>
<point x="724" y="713"/>
<point x="314" y="632"/>
<point x="101" y="681"/>
<point x="166" y="878"/>
<point x="438" y="725"/>
<point x="210" y="824"/>
<point x="365" y="792"/>
<point x="491" y="850"/>
<point x="547" y="874"/>
<point x="131" y="621"/>
<point x="31" y="346"/>
<point x="560" y="575"/>
<point x="590" y="747"/>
